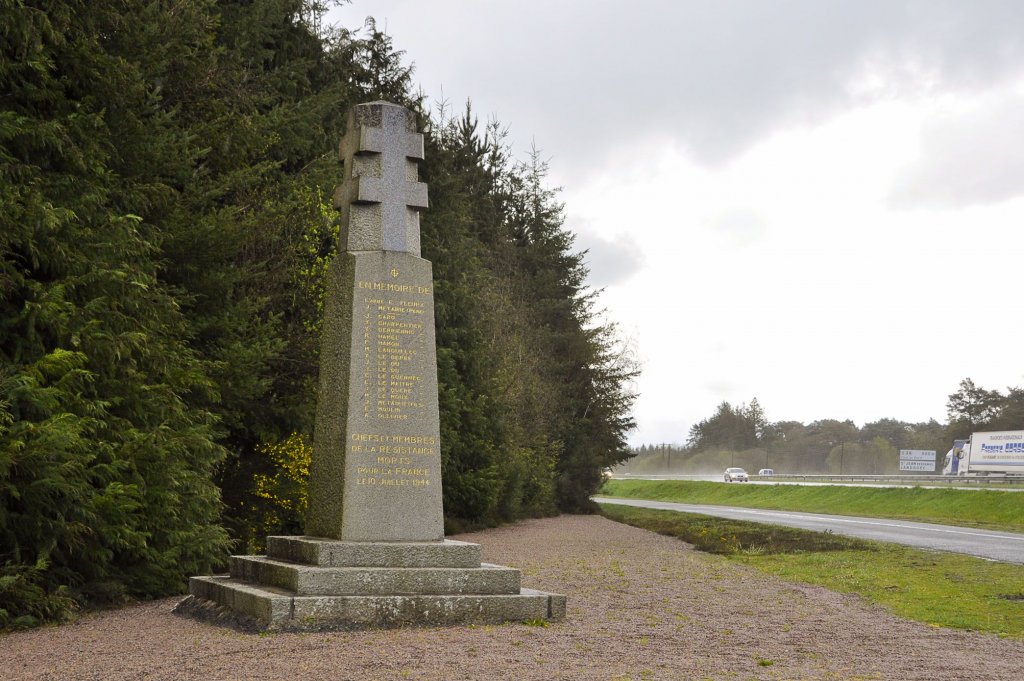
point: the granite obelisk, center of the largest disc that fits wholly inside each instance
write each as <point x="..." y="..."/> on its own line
<point x="375" y="553"/>
<point x="376" y="471"/>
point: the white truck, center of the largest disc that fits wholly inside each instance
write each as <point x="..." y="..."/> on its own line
<point x="1000" y="452"/>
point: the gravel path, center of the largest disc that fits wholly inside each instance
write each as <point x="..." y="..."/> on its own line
<point x="641" y="606"/>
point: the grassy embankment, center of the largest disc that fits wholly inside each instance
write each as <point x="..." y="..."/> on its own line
<point x="992" y="509"/>
<point x="940" y="589"/>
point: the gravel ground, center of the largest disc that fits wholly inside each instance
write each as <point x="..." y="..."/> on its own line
<point x="641" y="606"/>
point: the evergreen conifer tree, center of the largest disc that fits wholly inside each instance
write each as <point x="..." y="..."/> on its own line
<point x="105" y="463"/>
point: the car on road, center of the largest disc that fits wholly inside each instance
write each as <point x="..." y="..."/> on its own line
<point x="736" y="475"/>
<point x="766" y="471"/>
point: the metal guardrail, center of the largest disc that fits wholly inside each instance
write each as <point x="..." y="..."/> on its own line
<point x="992" y="479"/>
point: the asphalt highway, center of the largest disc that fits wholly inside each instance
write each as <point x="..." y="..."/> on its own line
<point x="1002" y="546"/>
<point x="945" y="484"/>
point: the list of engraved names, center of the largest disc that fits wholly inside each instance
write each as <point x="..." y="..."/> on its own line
<point x="393" y="344"/>
<point x="394" y="320"/>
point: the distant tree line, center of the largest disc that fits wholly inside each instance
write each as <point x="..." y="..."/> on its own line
<point x="165" y="224"/>
<point x="742" y="436"/>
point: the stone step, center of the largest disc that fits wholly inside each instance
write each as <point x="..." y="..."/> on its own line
<point x="307" y="580"/>
<point x="334" y="553"/>
<point x="274" y="609"/>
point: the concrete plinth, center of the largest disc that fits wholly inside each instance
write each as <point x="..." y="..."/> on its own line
<point x="402" y="586"/>
<point x="306" y="580"/>
<point x="332" y="553"/>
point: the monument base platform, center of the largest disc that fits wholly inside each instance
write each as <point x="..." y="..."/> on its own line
<point x="312" y="584"/>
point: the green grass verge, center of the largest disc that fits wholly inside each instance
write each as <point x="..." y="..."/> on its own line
<point x="991" y="509"/>
<point x="940" y="589"/>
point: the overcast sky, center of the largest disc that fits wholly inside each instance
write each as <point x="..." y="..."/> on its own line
<point x="816" y="203"/>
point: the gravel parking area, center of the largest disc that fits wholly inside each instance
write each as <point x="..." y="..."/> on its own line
<point x="641" y="606"/>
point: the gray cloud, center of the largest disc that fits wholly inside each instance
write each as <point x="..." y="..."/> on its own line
<point x="611" y="261"/>
<point x="972" y="158"/>
<point x="585" y="76"/>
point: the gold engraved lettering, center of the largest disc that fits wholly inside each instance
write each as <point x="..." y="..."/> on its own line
<point x="389" y="460"/>
<point x="393" y="449"/>
<point x="395" y="334"/>
<point x="417" y="472"/>
<point x="392" y="287"/>
<point x="397" y="439"/>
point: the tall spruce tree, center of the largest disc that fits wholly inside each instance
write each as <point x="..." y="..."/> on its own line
<point x="547" y="398"/>
<point x="591" y="369"/>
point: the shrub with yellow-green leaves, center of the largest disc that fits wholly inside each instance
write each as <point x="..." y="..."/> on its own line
<point x="281" y="495"/>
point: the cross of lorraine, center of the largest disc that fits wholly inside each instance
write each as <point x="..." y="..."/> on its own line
<point x="380" y="196"/>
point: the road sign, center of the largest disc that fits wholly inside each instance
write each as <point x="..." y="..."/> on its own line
<point x="928" y="466"/>
<point x="917" y="455"/>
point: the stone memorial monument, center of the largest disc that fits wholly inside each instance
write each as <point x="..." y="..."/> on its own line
<point x="376" y="555"/>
